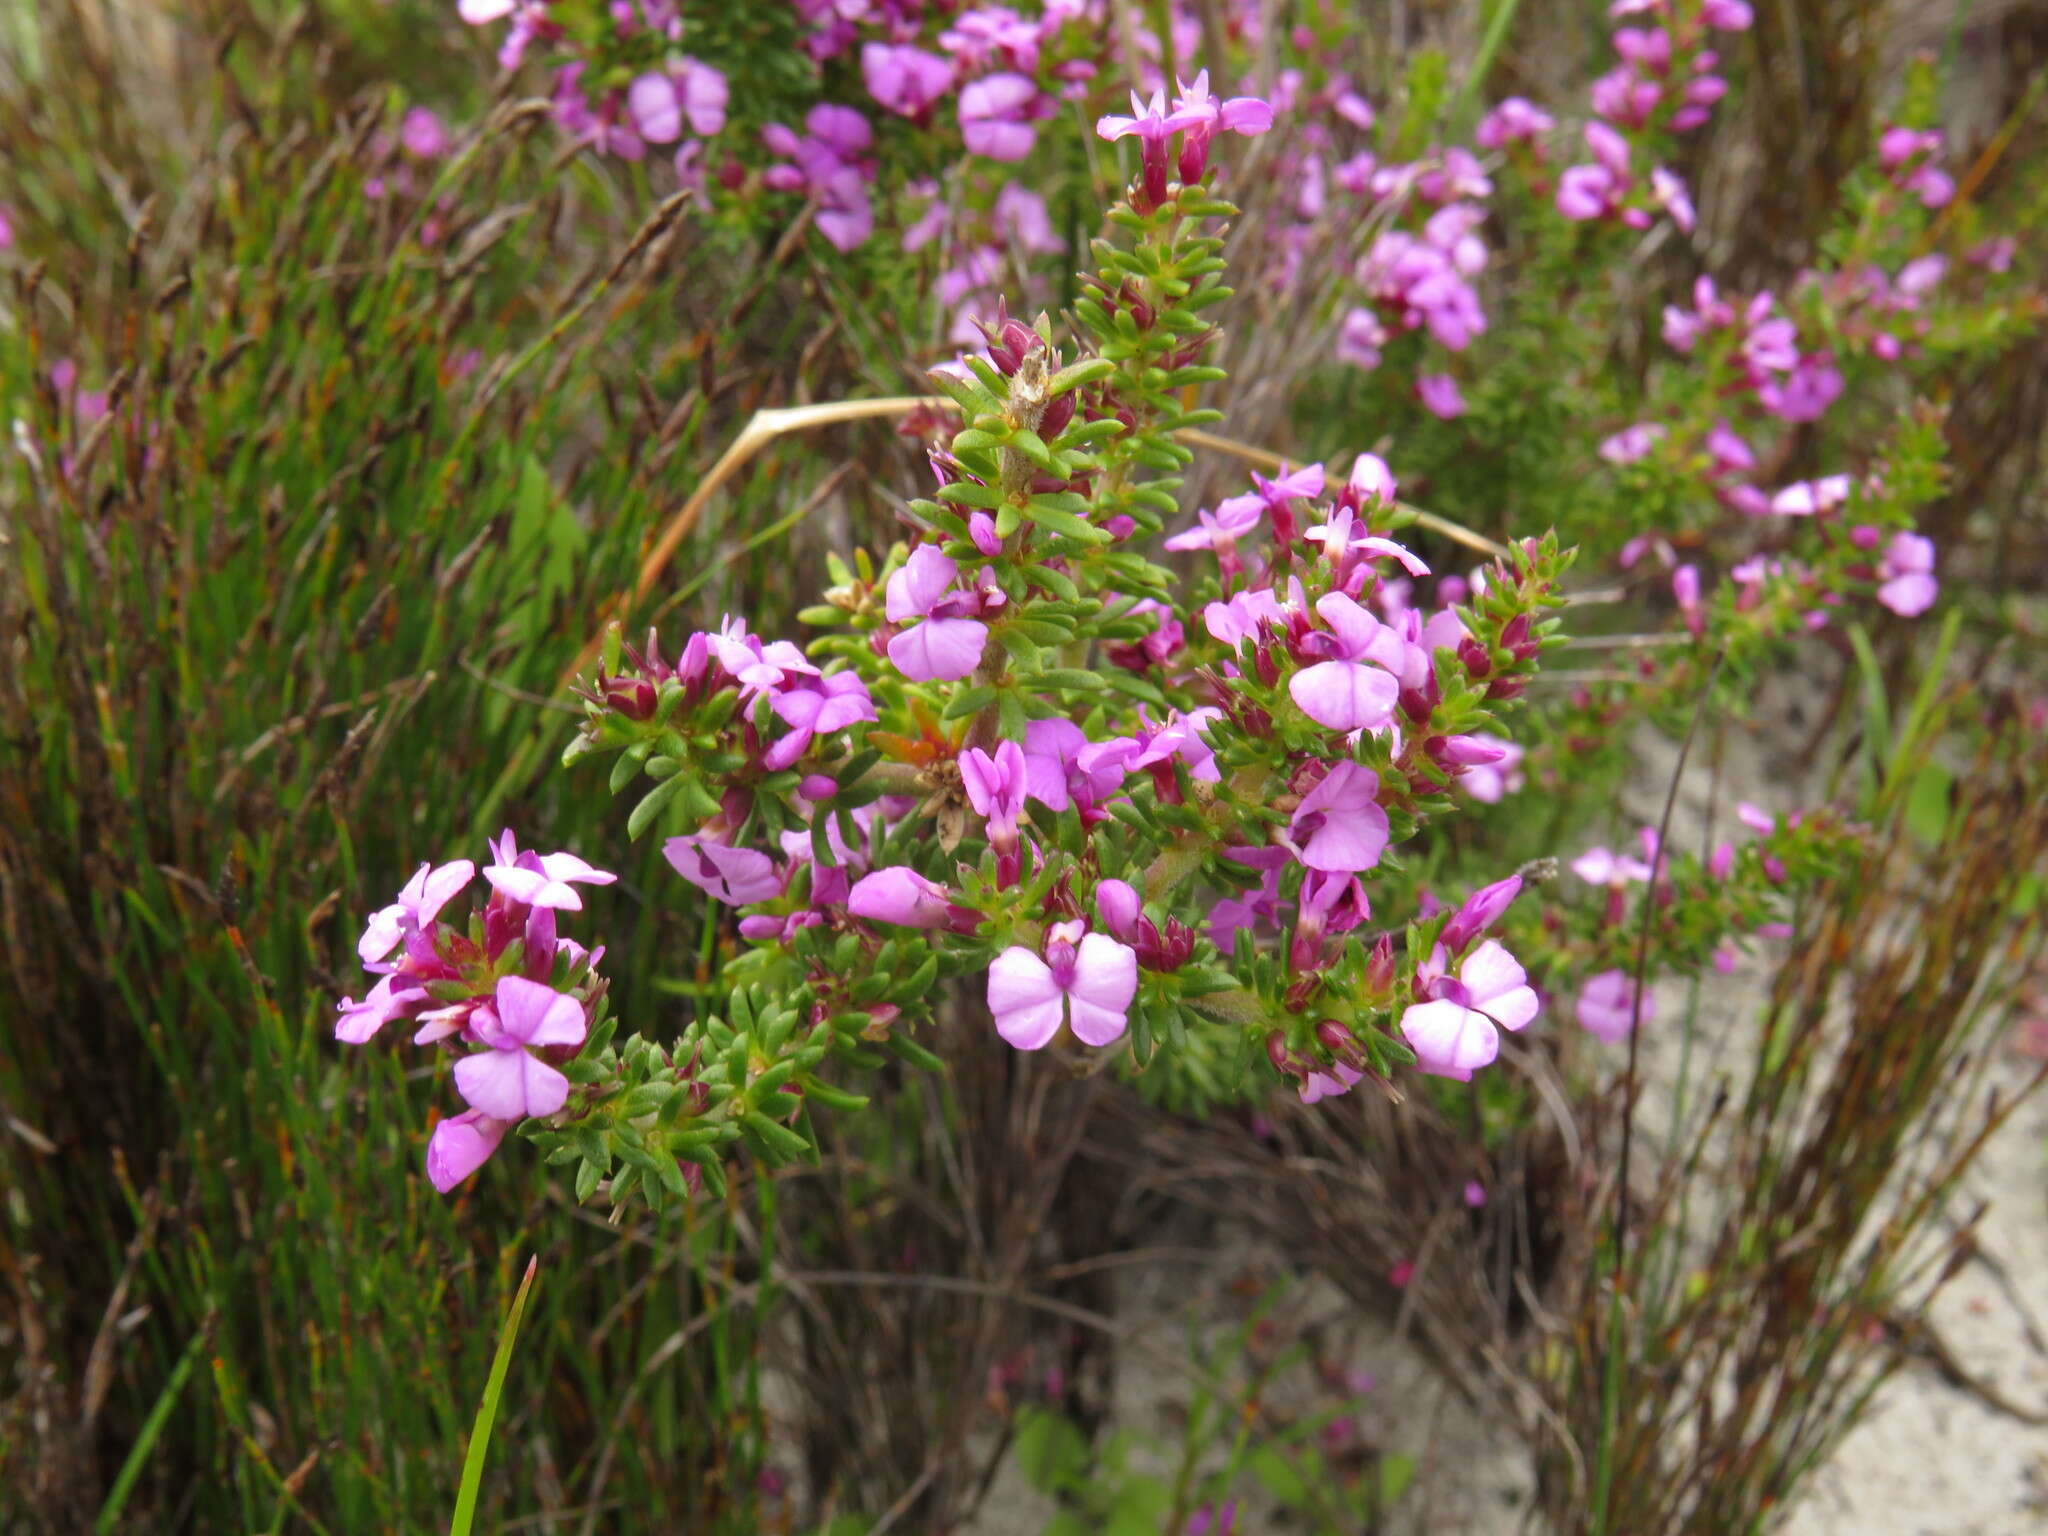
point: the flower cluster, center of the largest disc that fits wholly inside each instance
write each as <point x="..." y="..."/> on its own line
<point x="1664" y="83"/>
<point x="1137" y="810"/>
<point x="509" y="998"/>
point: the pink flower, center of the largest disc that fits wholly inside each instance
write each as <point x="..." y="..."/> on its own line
<point x="905" y="80"/>
<point x="425" y="894"/>
<point x="1670" y="191"/>
<point x="1806" y="392"/>
<point x="1346" y="694"/>
<point x="736" y="876"/>
<point x="1439" y="395"/>
<point x="1514" y="120"/>
<point x="1588" y="192"/>
<point x="421" y="134"/>
<point x="995" y="116"/>
<point x="1805" y="498"/>
<point x="1318" y="1085"/>
<point x="946" y="646"/>
<point x="392" y="998"/>
<point x="1488" y="783"/>
<point x="506" y="1082"/>
<point x="541" y="880"/>
<point x="1148" y="121"/>
<point x="1340" y="825"/>
<point x="461" y="1145"/>
<point x="1601" y="866"/>
<point x="899" y="894"/>
<point x="1606" y="1007"/>
<point x="1685" y="587"/>
<point x="996" y="787"/>
<point x="1632" y="443"/>
<point x="1088" y="981"/>
<point x="1482" y="909"/>
<point x="1907" y="574"/>
<point x="1234" y="517"/>
<point x="1458" y="1030"/>
<point x="1201" y="116"/>
<point x="829" y="704"/>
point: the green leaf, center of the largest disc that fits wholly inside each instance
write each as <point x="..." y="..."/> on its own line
<point x="487" y="1410"/>
<point x="1065" y="524"/>
<point x="1397" y="1473"/>
<point x="775" y="1141"/>
<point x="1051" y="1452"/>
<point x="1072" y="678"/>
<point x="967" y="493"/>
<point x="1276" y="1474"/>
<point x="651" y="805"/>
<point x="1928" y="803"/>
<point x="1082" y="371"/>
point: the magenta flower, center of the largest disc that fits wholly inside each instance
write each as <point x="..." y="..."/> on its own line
<point x="461" y="1145"/>
<point x="1086" y="980"/>
<point x="995" y="116"/>
<point x="899" y="894"/>
<point x="1346" y="694"/>
<point x="659" y="103"/>
<point x="391" y="999"/>
<point x="1201" y="116"/>
<point x="507" y="1082"/>
<point x="1344" y="537"/>
<point x="1907" y="574"/>
<point x="1339" y="1080"/>
<point x="1807" y="498"/>
<point x="1489" y="783"/>
<point x="1340" y="825"/>
<point x="996" y="787"/>
<point x="1632" y="443"/>
<point x="830" y="704"/>
<point x="1214" y="1519"/>
<point x="903" y="79"/>
<point x="1513" y="121"/>
<point x="1234" y="517"/>
<point x="736" y="876"/>
<point x="1148" y="122"/>
<point x="425" y="894"/>
<point x="1439" y="395"/>
<point x="1669" y="188"/>
<point x="945" y="646"/>
<point x="541" y="880"/>
<point x="757" y="667"/>
<point x="1458" y="1030"/>
<point x="1806" y="392"/>
<point x="1482" y="909"/>
<point x="1602" y="866"/>
<point x="1606" y="1006"/>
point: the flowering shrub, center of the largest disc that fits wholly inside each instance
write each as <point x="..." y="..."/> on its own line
<point x="1166" y="852"/>
<point x="1148" y="811"/>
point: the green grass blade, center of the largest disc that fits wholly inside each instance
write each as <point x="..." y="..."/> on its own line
<point x="1497" y="25"/>
<point x="138" y="1453"/>
<point x="487" y="1411"/>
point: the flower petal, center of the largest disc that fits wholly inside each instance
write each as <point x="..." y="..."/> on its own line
<point x="1105" y="981"/>
<point x="1490" y="972"/>
<point x="1344" y="695"/>
<point x="1024" y="998"/>
<point x="1449" y="1039"/>
<point x="939" y="650"/>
